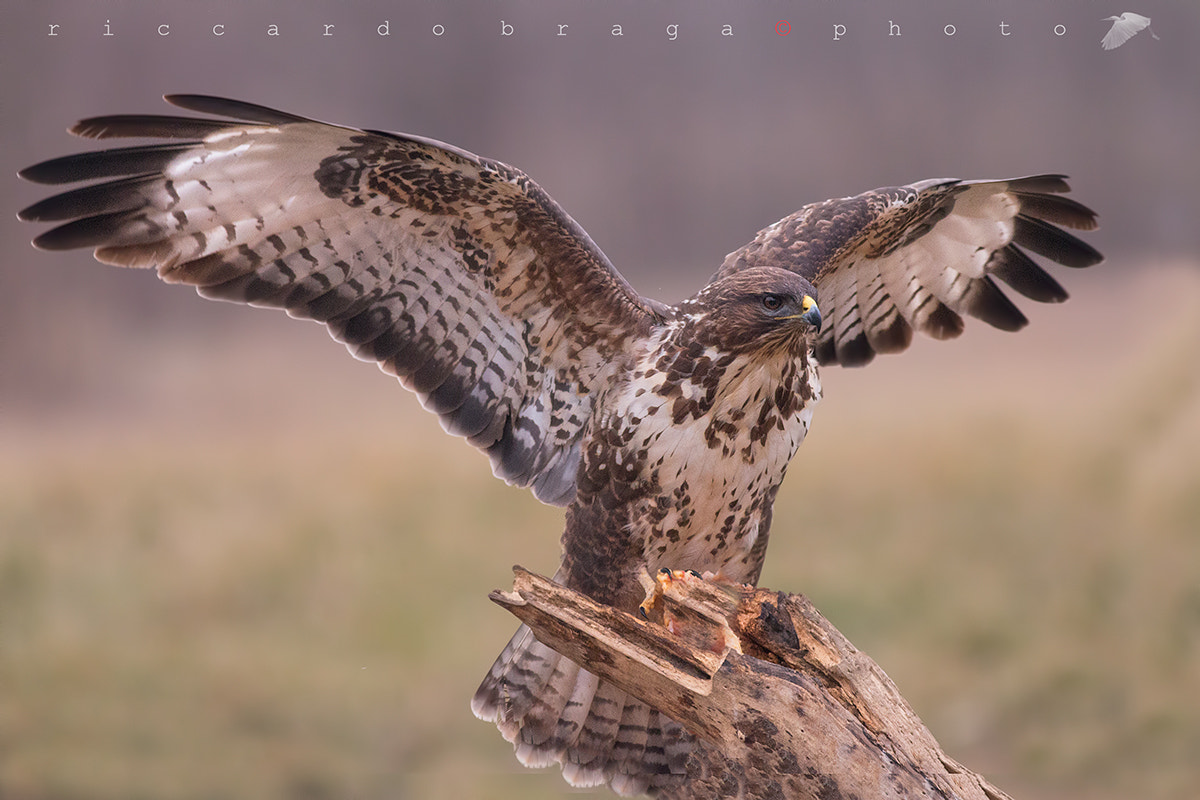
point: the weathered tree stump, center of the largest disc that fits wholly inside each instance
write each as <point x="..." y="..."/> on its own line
<point x="782" y="704"/>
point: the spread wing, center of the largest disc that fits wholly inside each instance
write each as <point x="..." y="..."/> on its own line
<point x="457" y="274"/>
<point x="893" y="260"/>
<point x="1123" y="30"/>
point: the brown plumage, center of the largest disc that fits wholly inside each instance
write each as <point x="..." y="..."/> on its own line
<point x="666" y="431"/>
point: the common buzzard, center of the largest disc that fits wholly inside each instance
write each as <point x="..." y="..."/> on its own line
<point x="664" y="430"/>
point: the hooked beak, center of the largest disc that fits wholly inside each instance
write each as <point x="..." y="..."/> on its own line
<point x="812" y="314"/>
<point x="809" y="313"/>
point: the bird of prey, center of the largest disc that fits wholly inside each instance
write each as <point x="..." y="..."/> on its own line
<point x="1124" y="28"/>
<point x="665" y="431"/>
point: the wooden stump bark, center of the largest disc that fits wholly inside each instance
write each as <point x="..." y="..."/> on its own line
<point x="782" y="704"/>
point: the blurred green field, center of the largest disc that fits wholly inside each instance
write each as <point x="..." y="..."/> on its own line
<point x="291" y="603"/>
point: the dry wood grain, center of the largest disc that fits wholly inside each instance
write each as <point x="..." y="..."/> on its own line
<point x="782" y="704"/>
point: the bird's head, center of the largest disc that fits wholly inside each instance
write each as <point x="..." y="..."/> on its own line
<point x="756" y="308"/>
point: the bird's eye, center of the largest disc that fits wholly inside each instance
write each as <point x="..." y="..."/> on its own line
<point x="772" y="302"/>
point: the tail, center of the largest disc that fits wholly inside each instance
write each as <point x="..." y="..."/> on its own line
<point x="555" y="712"/>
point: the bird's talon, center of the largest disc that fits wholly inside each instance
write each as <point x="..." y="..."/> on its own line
<point x="658" y="585"/>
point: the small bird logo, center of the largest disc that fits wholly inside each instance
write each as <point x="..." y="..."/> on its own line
<point x="1123" y="29"/>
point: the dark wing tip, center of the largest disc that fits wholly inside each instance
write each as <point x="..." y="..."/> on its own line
<point x="47" y="172"/>
<point x="119" y="195"/>
<point x="1051" y="183"/>
<point x="105" y="163"/>
<point x="1054" y="243"/>
<point x="854" y="352"/>
<point x="1019" y="271"/>
<point x="894" y="338"/>
<point x="825" y="351"/>
<point x="1057" y="210"/>
<point x="986" y="301"/>
<point x="224" y="107"/>
<point x="146" y="125"/>
<point x="41" y="211"/>
<point x="942" y="323"/>
<point x="90" y="231"/>
<point x="29" y="174"/>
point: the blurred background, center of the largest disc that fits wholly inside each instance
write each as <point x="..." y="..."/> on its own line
<point x="236" y="563"/>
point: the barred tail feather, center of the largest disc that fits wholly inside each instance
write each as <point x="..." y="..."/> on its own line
<point x="555" y="712"/>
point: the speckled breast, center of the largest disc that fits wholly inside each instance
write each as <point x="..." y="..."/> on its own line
<point x="709" y="450"/>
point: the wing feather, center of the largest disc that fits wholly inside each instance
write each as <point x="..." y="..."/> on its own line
<point x="149" y="125"/>
<point x="921" y="257"/>
<point x="457" y="274"/>
<point x="98" y="164"/>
